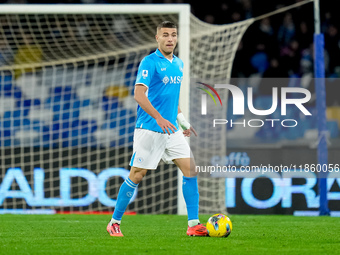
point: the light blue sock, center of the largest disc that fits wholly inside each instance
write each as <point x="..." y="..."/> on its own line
<point x="191" y="196"/>
<point x="124" y="196"/>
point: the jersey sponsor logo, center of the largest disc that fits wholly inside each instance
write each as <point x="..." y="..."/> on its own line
<point x="163" y="69"/>
<point x="166" y="80"/>
<point x="175" y="79"/>
<point x="145" y="73"/>
<point x="172" y="79"/>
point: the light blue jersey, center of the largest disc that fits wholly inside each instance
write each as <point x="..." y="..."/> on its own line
<point x="163" y="79"/>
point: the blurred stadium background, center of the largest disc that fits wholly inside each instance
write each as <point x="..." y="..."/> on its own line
<point x="63" y="124"/>
<point x="278" y="46"/>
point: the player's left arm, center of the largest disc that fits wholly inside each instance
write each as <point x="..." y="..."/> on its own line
<point x="184" y="124"/>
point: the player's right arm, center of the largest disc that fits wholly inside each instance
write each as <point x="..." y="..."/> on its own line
<point x="144" y="102"/>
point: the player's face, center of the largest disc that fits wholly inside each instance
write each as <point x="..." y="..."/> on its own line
<point x="167" y="39"/>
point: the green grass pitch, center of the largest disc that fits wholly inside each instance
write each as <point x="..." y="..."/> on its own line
<point x="166" y="234"/>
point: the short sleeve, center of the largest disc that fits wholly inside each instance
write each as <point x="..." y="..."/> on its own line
<point x="145" y="72"/>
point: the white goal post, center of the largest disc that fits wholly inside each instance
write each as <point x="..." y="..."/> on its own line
<point x="63" y="68"/>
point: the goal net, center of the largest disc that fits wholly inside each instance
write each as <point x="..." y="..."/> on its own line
<point x="67" y="112"/>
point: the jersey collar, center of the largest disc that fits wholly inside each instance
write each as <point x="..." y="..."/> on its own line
<point x="159" y="54"/>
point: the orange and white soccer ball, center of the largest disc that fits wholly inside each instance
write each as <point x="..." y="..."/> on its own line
<point x="219" y="225"/>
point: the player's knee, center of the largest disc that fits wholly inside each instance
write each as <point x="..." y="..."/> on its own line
<point x="189" y="172"/>
<point x="136" y="175"/>
<point x="187" y="166"/>
<point x="193" y="173"/>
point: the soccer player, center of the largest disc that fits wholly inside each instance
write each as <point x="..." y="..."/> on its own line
<point x="157" y="135"/>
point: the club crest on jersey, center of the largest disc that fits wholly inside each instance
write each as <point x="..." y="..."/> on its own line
<point x="145" y="73"/>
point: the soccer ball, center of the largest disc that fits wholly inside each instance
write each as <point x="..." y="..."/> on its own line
<point x="219" y="225"/>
